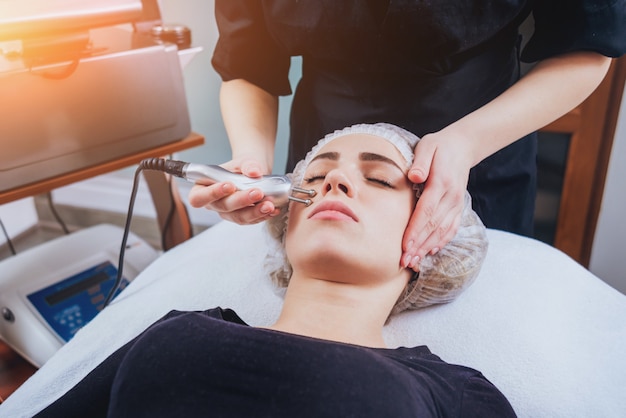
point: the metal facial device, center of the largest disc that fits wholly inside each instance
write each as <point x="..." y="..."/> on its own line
<point x="276" y="188"/>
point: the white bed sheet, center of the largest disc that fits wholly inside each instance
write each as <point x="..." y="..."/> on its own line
<point x="546" y="331"/>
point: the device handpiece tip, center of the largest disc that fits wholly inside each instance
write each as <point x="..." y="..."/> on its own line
<point x="309" y="192"/>
<point x="306" y="202"/>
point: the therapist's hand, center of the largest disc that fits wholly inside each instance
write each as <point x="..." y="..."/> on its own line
<point x="442" y="163"/>
<point x="242" y="207"/>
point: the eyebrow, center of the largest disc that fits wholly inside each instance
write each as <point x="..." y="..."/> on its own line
<point x="370" y="156"/>
<point x="334" y="156"/>
<point x="364" y="156"/>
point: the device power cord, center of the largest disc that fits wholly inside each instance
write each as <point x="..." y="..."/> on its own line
<point x="120" y="263"/>
<point x="159" y="164"/>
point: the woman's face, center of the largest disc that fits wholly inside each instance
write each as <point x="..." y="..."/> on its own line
<point x="353" y="230"/>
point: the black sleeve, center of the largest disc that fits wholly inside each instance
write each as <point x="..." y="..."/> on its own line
<point x="577" y="25"/>
<point x="245" y="48"/>
<point x="90" y="397"/>
<point x="482" y="399"/>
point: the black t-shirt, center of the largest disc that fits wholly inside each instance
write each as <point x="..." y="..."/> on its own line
<point x="211" y="364"/>
<point x="418" y="64"/>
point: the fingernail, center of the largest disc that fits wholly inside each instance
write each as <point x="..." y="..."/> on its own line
<point x="255" y="195"/>
<point x="416" y="173"/>
<point x="434" y="251"/>
<point x="228" y="188"/>
<point x="265" y="209"/>
<point x="406" y="260"/>
<point x="410" y="245"/>
<point x="415" y="261"/>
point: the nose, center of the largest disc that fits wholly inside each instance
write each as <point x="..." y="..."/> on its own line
<point x="337" y="181"/>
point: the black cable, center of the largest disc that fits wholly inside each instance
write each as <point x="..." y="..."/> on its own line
<point x="120" y="263"/>
<point x="56" y="214"/>
<point x="170" y="214"/>
<point x="167" y="166"/>
<point x="6" y="235"/>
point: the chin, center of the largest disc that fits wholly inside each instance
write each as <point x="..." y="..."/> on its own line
<point x="347" y="265"/>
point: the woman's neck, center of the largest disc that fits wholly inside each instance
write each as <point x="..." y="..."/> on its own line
<point x="336" y="311"/>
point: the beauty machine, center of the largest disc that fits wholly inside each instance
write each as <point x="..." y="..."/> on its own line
<point x="83" y="82"/>
<point x="49" y="292"/>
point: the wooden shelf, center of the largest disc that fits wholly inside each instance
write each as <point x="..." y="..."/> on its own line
<point x="47" y="184"/>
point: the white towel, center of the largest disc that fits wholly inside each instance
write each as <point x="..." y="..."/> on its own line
<point x="549" y="334"/>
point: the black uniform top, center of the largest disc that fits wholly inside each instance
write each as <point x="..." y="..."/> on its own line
<point x="211" y="364"/>
<point x="418" y="64"/>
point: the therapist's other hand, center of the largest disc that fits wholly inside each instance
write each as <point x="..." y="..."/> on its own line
<point x="442" y="163"/>
<point x="243" y="207"/>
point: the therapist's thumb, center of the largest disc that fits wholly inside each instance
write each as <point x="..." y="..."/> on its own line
<point x="422" y="160"/>
<point x="252" y="168"/>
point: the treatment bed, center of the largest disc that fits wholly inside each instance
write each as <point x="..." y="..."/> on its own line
<point x="543" y="329"/>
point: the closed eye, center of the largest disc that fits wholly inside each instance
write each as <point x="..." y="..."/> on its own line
<point x="314" y="178"/>
<point x="382" y="182"/>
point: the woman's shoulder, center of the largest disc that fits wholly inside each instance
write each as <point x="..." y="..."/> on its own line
<point x="472" y="393"/>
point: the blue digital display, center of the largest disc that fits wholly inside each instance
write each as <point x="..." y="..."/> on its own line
<point x="71" y="303"/>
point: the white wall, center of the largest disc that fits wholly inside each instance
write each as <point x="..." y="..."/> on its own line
<point x="608" y="256"/>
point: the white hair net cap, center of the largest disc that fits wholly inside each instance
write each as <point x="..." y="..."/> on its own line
<point x="442" y="276"/>
<point x="402" y="139"/>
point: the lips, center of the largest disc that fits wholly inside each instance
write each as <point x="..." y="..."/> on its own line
<point x="333" y="210"/>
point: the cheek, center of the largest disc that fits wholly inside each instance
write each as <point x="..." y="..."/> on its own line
<point x="387" y="231"/>
<point x="397" y="213"/>
<point x="388" y="237"/>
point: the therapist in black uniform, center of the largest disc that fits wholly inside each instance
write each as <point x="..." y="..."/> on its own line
<point x="448" y="71"/>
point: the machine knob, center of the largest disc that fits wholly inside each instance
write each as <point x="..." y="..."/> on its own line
<point x="7" y="314"/>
